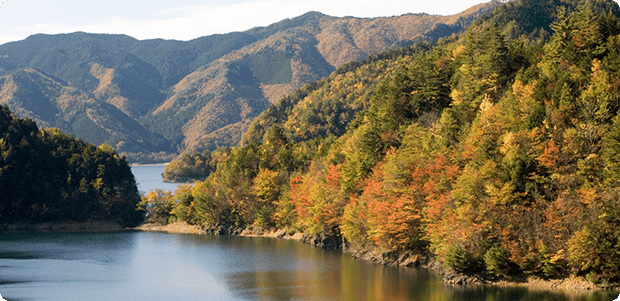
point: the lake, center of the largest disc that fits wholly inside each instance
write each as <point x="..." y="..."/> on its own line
<point x="148" y="177"/>
<point x="159" y="266"/>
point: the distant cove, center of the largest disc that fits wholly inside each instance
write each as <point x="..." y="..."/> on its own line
<point x="148" y="177"/>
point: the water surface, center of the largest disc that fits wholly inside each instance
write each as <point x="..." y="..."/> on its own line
<point x="148" y="177"/>
<point x="159" y="266"/>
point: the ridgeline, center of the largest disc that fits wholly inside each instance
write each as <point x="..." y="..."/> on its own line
<point x="154" y="99"/>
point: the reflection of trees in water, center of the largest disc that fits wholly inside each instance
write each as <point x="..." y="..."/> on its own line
<point x="498" y="293"/>
<point x="279" y="269"/>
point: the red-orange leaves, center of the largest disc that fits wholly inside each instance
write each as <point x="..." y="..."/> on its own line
<point x="549" y="157"/>
<point x="318" y="201"/>
<point x="394" y="222"/>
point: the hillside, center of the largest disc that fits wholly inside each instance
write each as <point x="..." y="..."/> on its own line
<point x="54" y="103"/>
<point x="495" y="151"/>
<point x="163" y="97"/>
<point x="47" y="176"/>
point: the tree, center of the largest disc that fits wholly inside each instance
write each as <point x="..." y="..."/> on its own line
<point x="158" y="205"/>
<point x="266" y="187"/>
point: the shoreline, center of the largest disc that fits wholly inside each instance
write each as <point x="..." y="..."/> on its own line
<point x="64" y="227"/>
<point x="148" y="164"/>
<point x="185" y="228"/>
<point x="180" y="228"/>
<point x="572" y="285"/>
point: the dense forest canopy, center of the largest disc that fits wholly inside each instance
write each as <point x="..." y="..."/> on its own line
<point x="495" y="151"/>
<point x="48" y="176"/>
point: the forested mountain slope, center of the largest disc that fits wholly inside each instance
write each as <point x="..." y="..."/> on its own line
<point x="495" y="151"/>
<point x="49" y="176"/>
<point x="168" y="96"/>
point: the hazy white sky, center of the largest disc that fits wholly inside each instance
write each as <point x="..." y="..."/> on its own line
<point x="186" y="20"/>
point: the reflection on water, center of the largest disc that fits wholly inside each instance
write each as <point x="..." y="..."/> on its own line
<point x="157" y="266"/>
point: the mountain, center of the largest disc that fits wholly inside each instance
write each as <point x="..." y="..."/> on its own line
<point x="163" y="96"/>
<point x="54" y="103"/>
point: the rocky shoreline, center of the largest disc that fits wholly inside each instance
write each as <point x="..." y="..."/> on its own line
<point x="574" y="284"/>
<point x="408" y="259"/>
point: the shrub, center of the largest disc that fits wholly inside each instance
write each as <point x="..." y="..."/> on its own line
<point x="496" y="261"/>
<point x="457" y="259"/>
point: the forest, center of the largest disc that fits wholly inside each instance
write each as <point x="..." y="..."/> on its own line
<point x="49" y="176"/>
<point x="495" y="151"/>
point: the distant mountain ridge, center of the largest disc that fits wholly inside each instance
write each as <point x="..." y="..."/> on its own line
<point x="165" y="96"/>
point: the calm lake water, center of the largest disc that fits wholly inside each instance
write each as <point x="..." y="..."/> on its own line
<point x="148" y="177"/>
<point x="159" y="266"/>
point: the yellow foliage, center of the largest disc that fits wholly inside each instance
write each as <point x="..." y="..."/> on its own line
<point x="588" y="196"/>
<point x="267" y="185"/>
<point x="458" y="50"/>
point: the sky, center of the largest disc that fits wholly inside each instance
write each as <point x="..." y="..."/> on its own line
<point x="186" y="20"/>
